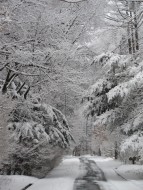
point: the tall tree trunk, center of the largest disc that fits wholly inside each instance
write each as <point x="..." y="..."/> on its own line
<point x="129" y="40"/>
<point x="136" y="27"/>
<point x="129" y="30"/>
<point x="132" y="32"/>
<point x="26" y="93"/>
<point x="8" y="81"/>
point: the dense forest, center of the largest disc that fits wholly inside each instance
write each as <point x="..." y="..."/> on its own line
<point x="71" y="82"/>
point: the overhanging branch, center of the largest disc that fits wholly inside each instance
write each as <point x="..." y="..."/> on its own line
<point x="73" y="1"/>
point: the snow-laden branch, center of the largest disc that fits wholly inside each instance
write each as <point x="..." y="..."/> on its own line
<point x="73" y="1"/>
<point x="22" y="73"/>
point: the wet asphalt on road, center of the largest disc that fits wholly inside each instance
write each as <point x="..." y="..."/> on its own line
<point x="92" y="176"/>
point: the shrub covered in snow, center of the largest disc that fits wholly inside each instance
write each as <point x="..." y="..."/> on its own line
<point x="6" y="106"/>
<point x="39" y="133"/>
<point x="36" y="122"/>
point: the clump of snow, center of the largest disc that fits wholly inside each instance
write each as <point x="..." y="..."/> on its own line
<point x="113" y="62"/>
<point x="107" y="117"/>
<point x="125" y="88"/>
<point x="126" y="127"/>
<point x="29" y="130"/>
<point x="133" y="144"/>
<point x="101" y="86"/>
<point x="98" y="86"/>
<point x="101" y="159"/>
<point x="135" y="69"/>
<point x="102" y="58"/>
<point x="121" y="90"/>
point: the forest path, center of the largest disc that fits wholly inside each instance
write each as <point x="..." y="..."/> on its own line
<point x="86" y="173"/>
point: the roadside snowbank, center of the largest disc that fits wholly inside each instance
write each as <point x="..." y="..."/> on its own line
<point x="131" y="171"/>
<point x="53" y="184"/>
<point x="15" y="182"/>
<point x="101" y="159"/>
<point x="116" y="173"/>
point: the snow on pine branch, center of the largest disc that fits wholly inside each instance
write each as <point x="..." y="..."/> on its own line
<point x="125" y="88"/>
<point x="37" y="122"/>
<point x="100" y="87"/>
<point x="133" y="144"/>
<point x="28" y="130"/>
<point x="102" y="58"/>
<point x="107" y="118"/>
<point x="109" y="92"/>
<point x="135" y="121"/>
<point x="134" y="73"/>
<point x="73" y="1"/>
<point x="112" y="62"/>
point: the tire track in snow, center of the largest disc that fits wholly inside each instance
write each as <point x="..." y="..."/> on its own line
<point x="93" y="174"/>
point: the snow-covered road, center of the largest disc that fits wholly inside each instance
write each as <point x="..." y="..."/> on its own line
<point x="61" y="178"/>
<point x="84" y="173"/>
<point x="115" y="181"/>
<point x="72" y="174"/>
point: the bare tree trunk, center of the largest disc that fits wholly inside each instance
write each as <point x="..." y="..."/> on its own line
<point x="136" y="27"/>
<point x="26" y="93"/>
<point x="129" y="31"/>
<point x="18" y="91"/>
<point x="116" y="151"/>
<point x="8" y="81"/>
<point x="129" y="40"/>
<point x="132" y="32"/>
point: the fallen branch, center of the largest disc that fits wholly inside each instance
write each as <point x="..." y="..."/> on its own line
<point x="27" y="186"/>
<point x="4" y="66"/>
<point x="8" y="81"/>
<point x="27" y="91"/>
<point x="18" y="91"/>
<point x="34" y="65"/>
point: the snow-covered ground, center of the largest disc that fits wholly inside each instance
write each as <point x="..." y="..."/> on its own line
<point x="119" y="176"/>
<point x="15" y="182"/>
<point x="73" y="171"/>
<point x="131" y="172"/>
<point x="62" y="177"/>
